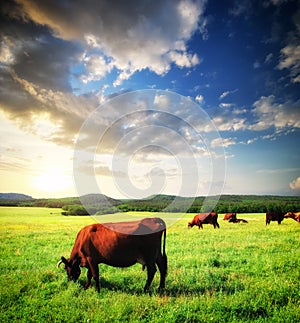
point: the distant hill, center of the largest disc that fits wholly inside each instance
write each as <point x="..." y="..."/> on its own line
<point x="102" y="204"/>
<point x="96" y="199"/>
<point x="15" y="196"/>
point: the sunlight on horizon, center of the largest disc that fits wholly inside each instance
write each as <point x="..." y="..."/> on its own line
<point x="52" y="182"/>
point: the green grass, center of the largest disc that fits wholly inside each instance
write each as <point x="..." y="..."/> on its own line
<point x="239" y="273"/>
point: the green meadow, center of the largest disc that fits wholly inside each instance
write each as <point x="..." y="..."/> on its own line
<point x="238" y="273"/>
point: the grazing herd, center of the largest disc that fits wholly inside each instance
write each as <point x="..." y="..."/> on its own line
<point x="212" y="218"/>
<point x="124" y="244"/>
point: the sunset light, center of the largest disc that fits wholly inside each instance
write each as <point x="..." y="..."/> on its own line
<point x="52" y="182"/>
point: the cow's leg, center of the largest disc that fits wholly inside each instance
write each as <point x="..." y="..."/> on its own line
<point x="217" y="224"/>
<point x="151" y="270"/>
<point x="89" y="278"/>
<point x="162" y="264"/>
<point x="94" y="272"/>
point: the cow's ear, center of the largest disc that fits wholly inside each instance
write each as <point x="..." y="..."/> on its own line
<point x="65" y="261"/>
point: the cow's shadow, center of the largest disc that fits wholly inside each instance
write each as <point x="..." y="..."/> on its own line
<point x="170" y="290"/>
<point x="115" y="286"/>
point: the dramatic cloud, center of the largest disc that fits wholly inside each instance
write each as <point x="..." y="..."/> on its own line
<point x="44" y="45"/>
<point x="129" y="36"/>
<point x="53" y="115"/>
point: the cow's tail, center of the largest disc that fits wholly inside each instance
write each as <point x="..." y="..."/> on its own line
<point x="165" y="260"/>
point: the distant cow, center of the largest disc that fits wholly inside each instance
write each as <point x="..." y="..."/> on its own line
<point x="293" y="215"/>
<point x="237" y="220"/>
<point x="274" y="216"/>
<point x="120" y="244"/>
<point x="228" y="216"/>
<point x="204" y="218"/>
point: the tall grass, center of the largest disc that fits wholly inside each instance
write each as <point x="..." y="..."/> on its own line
<point x="238" y="273"/>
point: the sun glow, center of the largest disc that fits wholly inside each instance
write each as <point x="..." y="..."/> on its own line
<point x="52" y="182"/>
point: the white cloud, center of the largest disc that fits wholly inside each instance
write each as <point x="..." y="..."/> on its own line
<point x="269" y="113"/>
<point x="228" y="121"/>
<point x="199" y="98"/>
<point x="183" y="59"/>
<point x="226" y="93"/>
<point x="226" y="105"/>
<point x="295" y="184"/>
<point x="97" y="68"/>
<point x="290" y="59"/>
<point x="129" y="37"/>
<point x="222" y="142"/>
<point x="223" y="95"/>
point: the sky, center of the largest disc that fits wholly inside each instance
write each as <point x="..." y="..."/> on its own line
<point x="134" y="98"/>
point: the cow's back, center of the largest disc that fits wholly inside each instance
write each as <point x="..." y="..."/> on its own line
<point x="108" y="243"/>
<point x="204" y="217"/>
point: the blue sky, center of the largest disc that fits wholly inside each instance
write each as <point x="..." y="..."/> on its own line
<point x="231" y="66"/>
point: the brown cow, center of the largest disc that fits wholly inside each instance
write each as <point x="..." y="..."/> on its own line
<point x="229" y="216"/>
<point x="204" y="218"/>
<point x="293" y="215"/>
<point x="121" y="244"/>
<point x="237" y="220"/>
<point x="274" y="216"/>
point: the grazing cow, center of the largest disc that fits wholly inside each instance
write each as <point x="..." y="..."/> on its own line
<point x="229" y="216"/>
<point x="204" y="218"/>
<point x="293" y="215"/>
<point x="274" y="216"/>
<point x="120" y="244"/>
<point x="237" y="220"/>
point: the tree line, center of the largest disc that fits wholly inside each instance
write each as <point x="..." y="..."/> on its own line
<point x="100" y="204"/>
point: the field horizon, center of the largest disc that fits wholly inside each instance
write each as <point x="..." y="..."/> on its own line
<point x="100" y="204"/>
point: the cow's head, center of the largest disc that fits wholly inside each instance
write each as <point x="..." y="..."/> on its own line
<point x="289" y="215"/>
<point x="71" y="267"/>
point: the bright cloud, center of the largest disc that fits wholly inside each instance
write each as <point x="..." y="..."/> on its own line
<point x="199" y="98"/>
<point x="226" y="93"/>
<point x="290" y="59"/>
<point x="295" y="184"/>
<point x="132" y="37"/>
<point x="270" y="113"/>
<point x="226" y="105"/>
<point x="225" y="142"/>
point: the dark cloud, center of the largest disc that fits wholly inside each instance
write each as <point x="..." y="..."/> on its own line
<point x="42" y="43"/>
